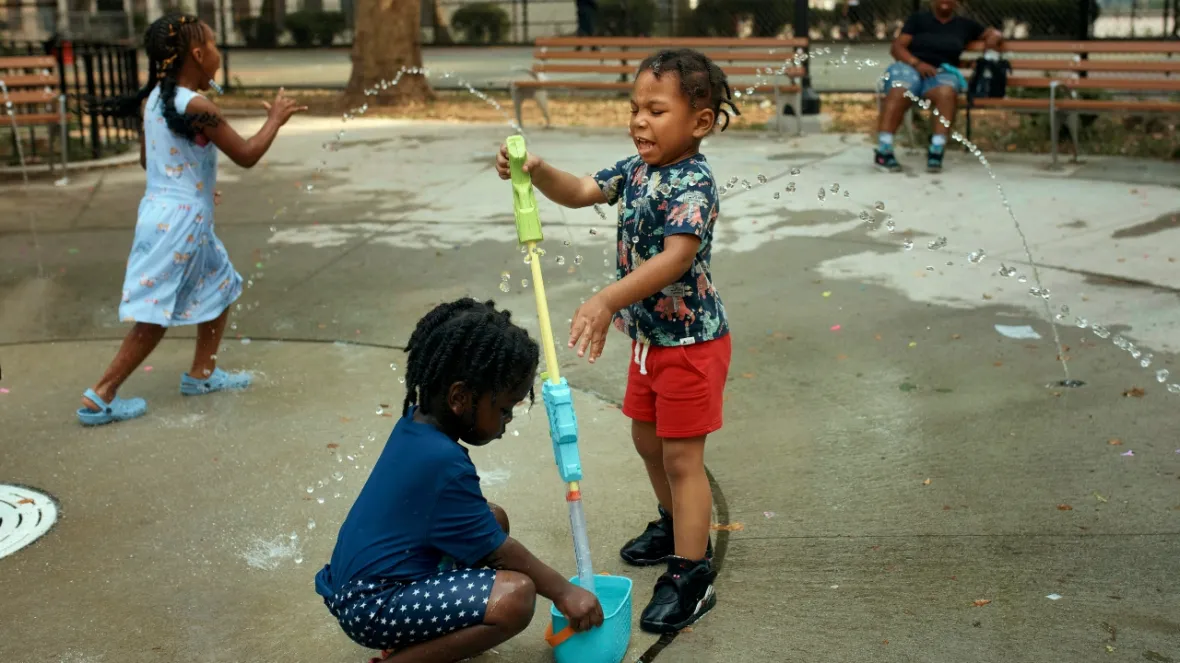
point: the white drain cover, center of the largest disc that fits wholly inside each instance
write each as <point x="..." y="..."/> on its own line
<point x="25" y="515"/>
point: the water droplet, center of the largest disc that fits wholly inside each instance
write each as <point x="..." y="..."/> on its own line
<point x="936" y="244"/>
<point x="504" y="276"/>
<point x="795" y="171"/>
<point x="319" y="500"/>
<point x="889" y="224"/>
<point x="976" y="256"/>
<point x="561" y="260"/>
<point x="336" y="495"/>
<point x="907" y="244"/>
<point x="515" y="433"/>
<point x="835" y="187"/>
<point x="577" y="260"/>
<point x="310" y="524"/>
<point x="1162" y="375"/>
<point x="1146" y="360"/>
<point x="879" y="206"/>
<point x="528" y="258"/>
<point x="524" y="283"/>
<point x="865" y="216"/>
<point x="339" y="476"/>
<point x="310" y="490"/>
<point x="401" y="380"/>
<point x="1100" y="331"/>
<point x="504" y="287"/>
<point x="790" y="187"/>
<point x="1022" y="279"/>
<point x="273" y="229"/>
<point x="310" y="187"/>
<point x="594" y="231"/>
<point x="298" y="560"/>
<point x="1006" y="271"/>
<point x="761" y="178"/>
<point x="822" y="194"/>
<point x="1174" y="388"/>
<point x="777" y="195"/>
<point x="233" y="325"/>
<point x="846" y="193"/>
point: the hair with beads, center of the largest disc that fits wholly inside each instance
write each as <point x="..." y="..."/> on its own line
<point x="701" y="80"/>
<point x="470" y="342"/>
<point x="167" y="42"/>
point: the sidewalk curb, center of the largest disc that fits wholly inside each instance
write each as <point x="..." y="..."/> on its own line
<point x="41" y="171"/>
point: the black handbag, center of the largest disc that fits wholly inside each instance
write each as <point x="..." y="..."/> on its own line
<point x="990" y="80"/>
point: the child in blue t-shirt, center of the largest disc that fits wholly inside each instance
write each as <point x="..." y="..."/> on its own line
<point x="666" y="302"/>
<point x="423" y="565"/>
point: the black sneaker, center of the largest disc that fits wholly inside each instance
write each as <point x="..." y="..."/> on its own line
<point x="656" y="544"/>
<point x="681" y="596"/>
<point x="934" y="161"/>
<point x="886" y="161"/>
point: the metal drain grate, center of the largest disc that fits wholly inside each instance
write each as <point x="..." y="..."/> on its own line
<point x="25" y="516"/>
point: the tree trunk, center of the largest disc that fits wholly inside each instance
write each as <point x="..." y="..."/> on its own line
<point x="387" y="38"/>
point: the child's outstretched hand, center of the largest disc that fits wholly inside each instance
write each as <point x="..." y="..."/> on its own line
<point x="283" y="108"/>
<point x="580" y="607"/>
<point x="531" y="161"/>
<point x="589" y="327"/>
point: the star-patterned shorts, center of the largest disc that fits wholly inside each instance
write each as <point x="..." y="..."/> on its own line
<point x="385" y="614"/>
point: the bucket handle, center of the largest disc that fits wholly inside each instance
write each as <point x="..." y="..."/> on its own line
<point x="555" y="639"/>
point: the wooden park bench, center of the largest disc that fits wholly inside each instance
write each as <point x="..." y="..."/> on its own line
<point x="1143" y="77"/>
<point x="609" y="64"/>
<point x="33" y="83"/>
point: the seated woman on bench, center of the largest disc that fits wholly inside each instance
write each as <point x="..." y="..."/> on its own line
<point x="928" y="40"/>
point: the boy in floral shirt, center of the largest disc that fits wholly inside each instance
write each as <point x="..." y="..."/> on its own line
<point x="665" y="300"/>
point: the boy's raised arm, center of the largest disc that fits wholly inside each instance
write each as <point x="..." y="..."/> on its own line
<point x="563" y="188"/>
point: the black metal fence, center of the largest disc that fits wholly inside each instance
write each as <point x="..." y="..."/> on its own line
<point x="88" y="71"/>
<point x="518" y="22"/>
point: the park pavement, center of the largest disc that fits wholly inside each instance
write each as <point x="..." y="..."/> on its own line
<point x="898" y="478"/>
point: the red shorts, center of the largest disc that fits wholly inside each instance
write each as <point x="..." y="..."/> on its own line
<point x="683" y="387"/>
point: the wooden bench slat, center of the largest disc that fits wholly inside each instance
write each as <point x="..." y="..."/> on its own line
<point x="616" y="85"/>
<point x="1114" y="66"/>
<point x="624" y="69"/>
<point x="34" y="119"/>
<point x="1080" y="47"/>
<point x="672" y="42"/>
<point x="28" y="62"/>
<point x="1146" y="84"/>
<point x="31" y="96"/>
<point x="29" y="80"/>
<point x="636" y="56"/>
<point x="1080" y="105"/>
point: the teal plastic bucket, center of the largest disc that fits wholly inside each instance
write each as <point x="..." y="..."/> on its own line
<point x="607" y="643"/>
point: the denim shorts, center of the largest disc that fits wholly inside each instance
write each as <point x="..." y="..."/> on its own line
<point x="910" y="79"/>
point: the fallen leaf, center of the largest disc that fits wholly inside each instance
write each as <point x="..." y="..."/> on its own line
<point x="997" y="364"/>
<point x="1064" y="507"/>
<point x="946" y="507"/>
<point x="387" y="414"/>
<point x="25" y="500"/>
<point x="1134" y="391"/>
<point x="926" y="482"/>
<point x="841" y="357"/>
<point x="1114" y="441"/>
<point x="876" y="337"/>
<point x="730" y="527"/>
<point x="979" y="603"/>
<point x="333" y="445"/>
<point x="345" y="420"/>
<point x="686" y="629"/>
<point x="956" y="336"/>
<point x="748" y="376"/>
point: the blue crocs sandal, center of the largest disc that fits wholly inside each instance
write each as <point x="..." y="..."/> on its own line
<point x="219" y="380"/>
<point x="117" y="410"/>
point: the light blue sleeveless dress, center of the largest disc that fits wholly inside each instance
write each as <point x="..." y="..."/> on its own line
<point x="179" y="272"/>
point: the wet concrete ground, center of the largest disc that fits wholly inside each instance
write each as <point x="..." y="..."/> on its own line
<point x="889" y="459"/>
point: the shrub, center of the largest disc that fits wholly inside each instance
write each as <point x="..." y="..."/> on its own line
<point x="719" y="18"/>
<point x="481" y="22"/>
<point x="314" y="27"/>
<point x="259" y="33"/>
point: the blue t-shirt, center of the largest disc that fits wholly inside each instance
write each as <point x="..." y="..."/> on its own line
<point x="654" y="203"/>
<point x="420" y="509"/>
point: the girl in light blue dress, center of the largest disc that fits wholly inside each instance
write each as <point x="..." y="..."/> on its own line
<point x="178" y="272"/>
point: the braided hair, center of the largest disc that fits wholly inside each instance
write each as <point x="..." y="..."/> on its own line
<point x="167" y="41"/>
<point x="701" y="80"/>
<point x="470" y="342"/>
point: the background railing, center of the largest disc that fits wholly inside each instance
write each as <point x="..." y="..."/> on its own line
<point x="88" y="71"/>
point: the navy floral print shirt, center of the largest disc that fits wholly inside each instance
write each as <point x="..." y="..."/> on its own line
<point x="654" y="203"/>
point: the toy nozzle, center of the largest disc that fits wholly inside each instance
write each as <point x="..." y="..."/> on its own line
<point x="524" y="201"/>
